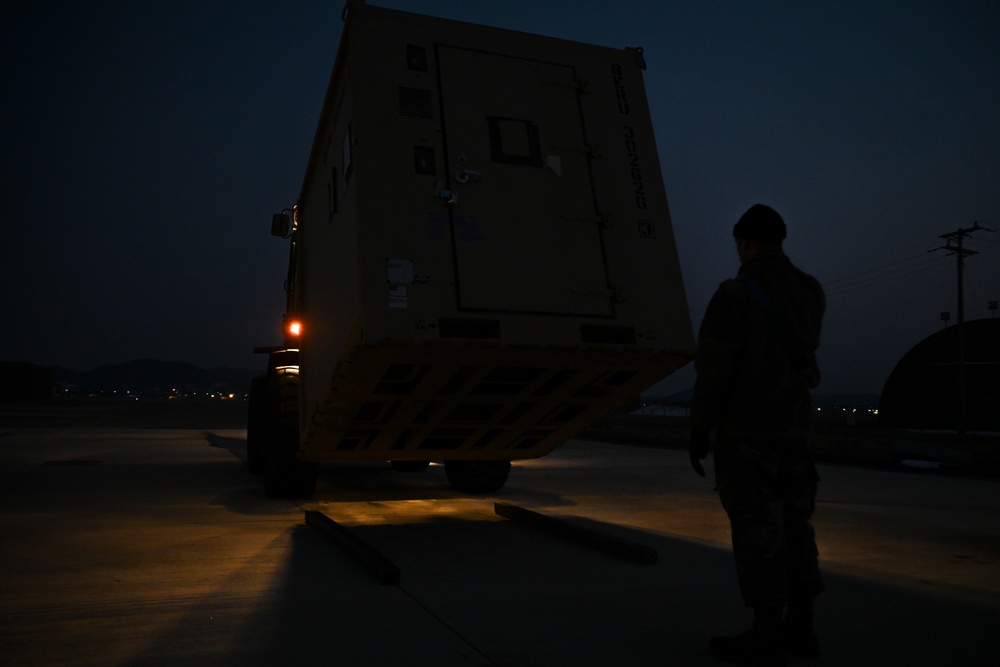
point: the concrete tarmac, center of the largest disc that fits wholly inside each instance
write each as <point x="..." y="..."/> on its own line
<point x="156" y="546"/>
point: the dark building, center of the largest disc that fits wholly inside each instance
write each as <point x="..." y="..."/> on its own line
<point x="924" y="390"/>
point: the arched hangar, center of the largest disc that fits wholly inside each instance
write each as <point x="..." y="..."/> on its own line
<point x="924" y="389"/>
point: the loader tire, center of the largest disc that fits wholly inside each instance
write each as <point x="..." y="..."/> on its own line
<point x="285" y="476"/>
<point x="477" y="476"/>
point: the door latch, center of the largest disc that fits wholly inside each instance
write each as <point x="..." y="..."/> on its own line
<point x="450" y="197"/>
<point x="468" y="176"/>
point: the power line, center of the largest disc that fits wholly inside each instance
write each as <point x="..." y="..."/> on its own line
<point x="954" y="244"/>
<point x="878" y="269"/>
<point x="902" y="268"/>
<point x="881" y="275"/>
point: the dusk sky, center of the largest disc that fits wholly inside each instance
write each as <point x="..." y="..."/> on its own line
<point x="146" y="144"/>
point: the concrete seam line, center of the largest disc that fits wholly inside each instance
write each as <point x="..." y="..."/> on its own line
<point x="638" y="553"/>
<point x="385" y="571"/>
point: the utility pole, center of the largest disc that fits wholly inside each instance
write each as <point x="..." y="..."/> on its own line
<point x="958" y="237"/>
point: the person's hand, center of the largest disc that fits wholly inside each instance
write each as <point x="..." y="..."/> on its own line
<point x="698" y="449"/>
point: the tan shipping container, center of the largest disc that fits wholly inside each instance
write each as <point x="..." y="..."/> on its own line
<point x="485" y="261"/>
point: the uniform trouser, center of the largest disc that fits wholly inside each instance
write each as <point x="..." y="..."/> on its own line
<point x="768" y="489"/>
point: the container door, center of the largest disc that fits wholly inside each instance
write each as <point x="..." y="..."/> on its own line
<point x="527" y="235"/>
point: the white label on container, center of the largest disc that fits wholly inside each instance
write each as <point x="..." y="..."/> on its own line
<point x="397" y="296"/>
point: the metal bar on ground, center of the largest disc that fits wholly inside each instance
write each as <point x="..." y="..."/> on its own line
<point x="616" y="546"/>
<point x="384" y="570"/>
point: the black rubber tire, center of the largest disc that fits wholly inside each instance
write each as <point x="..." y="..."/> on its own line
<point x="285" y="476"/>
<point x="257" y="424"/>
<point x="409" y="466"/>
<point x="477" y="476"/>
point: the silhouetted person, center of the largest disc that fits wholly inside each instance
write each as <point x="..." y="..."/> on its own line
<point x="755" y="365"/>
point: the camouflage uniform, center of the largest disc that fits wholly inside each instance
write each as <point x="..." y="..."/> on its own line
<point x="754" y="377"/>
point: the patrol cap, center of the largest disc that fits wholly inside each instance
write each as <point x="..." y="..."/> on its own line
<point x="760" y="223"/>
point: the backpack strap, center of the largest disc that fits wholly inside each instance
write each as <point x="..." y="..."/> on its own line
<point x="776" y="324"/>
<point x="801" y="358"/>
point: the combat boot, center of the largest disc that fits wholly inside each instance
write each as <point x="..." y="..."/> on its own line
<point x="760" y="646"/>
<point x="799" y="635"/>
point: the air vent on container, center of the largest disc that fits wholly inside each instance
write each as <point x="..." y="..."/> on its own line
<point x="415" y="102"/>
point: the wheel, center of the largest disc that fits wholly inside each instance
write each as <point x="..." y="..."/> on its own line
<point x="477" y="476"/>
<point x="285" y="476"/>
<point x="257" y="424"/>
<point x="409" y="466"/>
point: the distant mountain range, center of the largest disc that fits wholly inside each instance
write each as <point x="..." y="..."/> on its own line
<point x="154" y="376"/>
